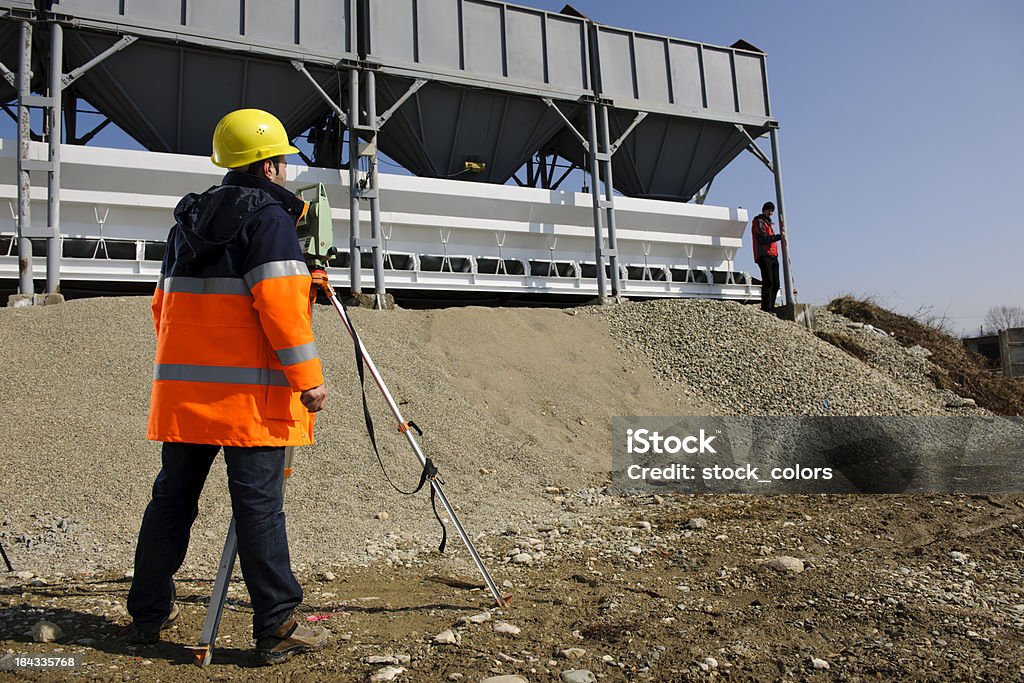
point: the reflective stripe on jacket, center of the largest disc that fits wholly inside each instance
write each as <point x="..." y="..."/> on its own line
<point x="234" y="332"/>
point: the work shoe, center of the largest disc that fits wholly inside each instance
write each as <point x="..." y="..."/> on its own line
<point x="291" y="638"/>
<point x="143" y="636"/>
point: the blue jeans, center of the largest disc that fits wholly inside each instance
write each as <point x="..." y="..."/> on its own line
<point x="255" y="481"/>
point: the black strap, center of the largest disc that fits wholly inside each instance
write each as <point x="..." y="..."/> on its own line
<point x="429" y="472"/>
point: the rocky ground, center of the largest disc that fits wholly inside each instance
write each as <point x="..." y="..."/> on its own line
<point x="680" y="588"/>
<point x="517" y="405"/>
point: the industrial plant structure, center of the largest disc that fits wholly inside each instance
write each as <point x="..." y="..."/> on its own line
<point x="488" y="105"/>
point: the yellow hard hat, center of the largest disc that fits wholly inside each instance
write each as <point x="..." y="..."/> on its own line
<point x="248" y="135"/>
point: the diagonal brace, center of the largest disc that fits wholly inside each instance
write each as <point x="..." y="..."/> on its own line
<point x="85" y="139"/>
<point x="755" y="150"/>
<point x="636" y="122"/>
<point x="9" y="75"/>
<point x="383" y="118"/>
<point x="702" y="194"/>
<point x="301" y="68"/>
<point x="583" y="141"/>
<point x="72" y="76"/>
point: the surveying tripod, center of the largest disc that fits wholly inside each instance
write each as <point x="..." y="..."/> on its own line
<point x="203" y="652"/>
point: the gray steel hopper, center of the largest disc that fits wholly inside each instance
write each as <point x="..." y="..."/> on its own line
<point x="196" y="61"/>
<point x="664" y="157"/>
<point x="442" y="127"/>
<point x="170" y="97"/>
<point x="698" y="99"/>
<point x="480" y="43"/>
<point x="312" y="30"/>
<point x="488" y="66"/>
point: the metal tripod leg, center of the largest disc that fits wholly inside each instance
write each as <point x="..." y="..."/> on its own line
<point x="435" y="483"/>
<point x="6" y="561"/>
<point x="203" y="652"/>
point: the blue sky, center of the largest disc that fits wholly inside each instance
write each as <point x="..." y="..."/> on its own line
<point x="901" y="150"/>
<point x="901" y="158"/>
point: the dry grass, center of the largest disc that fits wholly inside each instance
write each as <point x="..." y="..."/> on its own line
<point x="960" y="370"/>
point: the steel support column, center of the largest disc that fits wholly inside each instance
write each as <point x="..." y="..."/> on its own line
<point x="602" y="286"/>
<point x="25" y="284"/>
<point x="355" y="255"/>
<point x="53" y="241"/>
<point x="605" y="151"/>
<point x="378" y="259"/>
<point x="787" y="270"/>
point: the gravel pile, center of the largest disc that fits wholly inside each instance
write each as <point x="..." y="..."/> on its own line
<point x="514" y="403"/>
<point x="746" y="363"/>
<point x="501" y="421"/>
<point x="908" y="366"/>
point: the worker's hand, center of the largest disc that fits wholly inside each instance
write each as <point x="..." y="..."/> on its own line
<point x="314" y="399"/>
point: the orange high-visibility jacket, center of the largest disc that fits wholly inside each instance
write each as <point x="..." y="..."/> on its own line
<point x="234" y="336"/>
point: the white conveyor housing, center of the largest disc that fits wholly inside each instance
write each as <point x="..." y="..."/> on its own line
<point x="437" y="235"/>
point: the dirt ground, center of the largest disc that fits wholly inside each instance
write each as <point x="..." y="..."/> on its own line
<point x="517" y="406"/>
<point x="893" y="588"/>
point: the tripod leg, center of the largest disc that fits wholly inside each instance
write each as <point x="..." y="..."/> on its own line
<point x="6" y="561"/>
<point x="204" y="650"/>
<point x="321" y="279"/>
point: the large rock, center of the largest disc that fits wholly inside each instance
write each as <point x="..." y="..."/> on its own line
<point x="507" y="628"/>
<point x="578" y="676"/>
<point x="786" y="564"/>
<point x="46" y="632"/>
<point x="447" y="637"/>
<point x="388" y="673"/>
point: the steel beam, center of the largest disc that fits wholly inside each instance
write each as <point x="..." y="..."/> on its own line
<point x="355" y="253"/>
<point x="335" y="107"/>
<point x="85" y="139"/>
<point x="9" y="76"/>
<point x="755" y="150"/>
<point x="53" y="241"/>
<point x="609" y="192"/>
<point x="702" y="194"/>
<point x="73" y="75"/>
<point x="413" y="89"/>
<point x="579" y="136"/>
<point x="25" y="284"/>
<point x="625" y="134"/>
<point x="591" y="146"/>
<point x="380" y="303"/>
<point x="787" y="269"/>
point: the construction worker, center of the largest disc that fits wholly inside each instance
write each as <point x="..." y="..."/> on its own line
<point x="236" y="368"/>
<point x="766" y="254"/>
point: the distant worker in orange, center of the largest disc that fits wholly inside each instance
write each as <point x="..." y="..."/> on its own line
<point x="766" y="255"/>
<point x="236" y="368"/>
